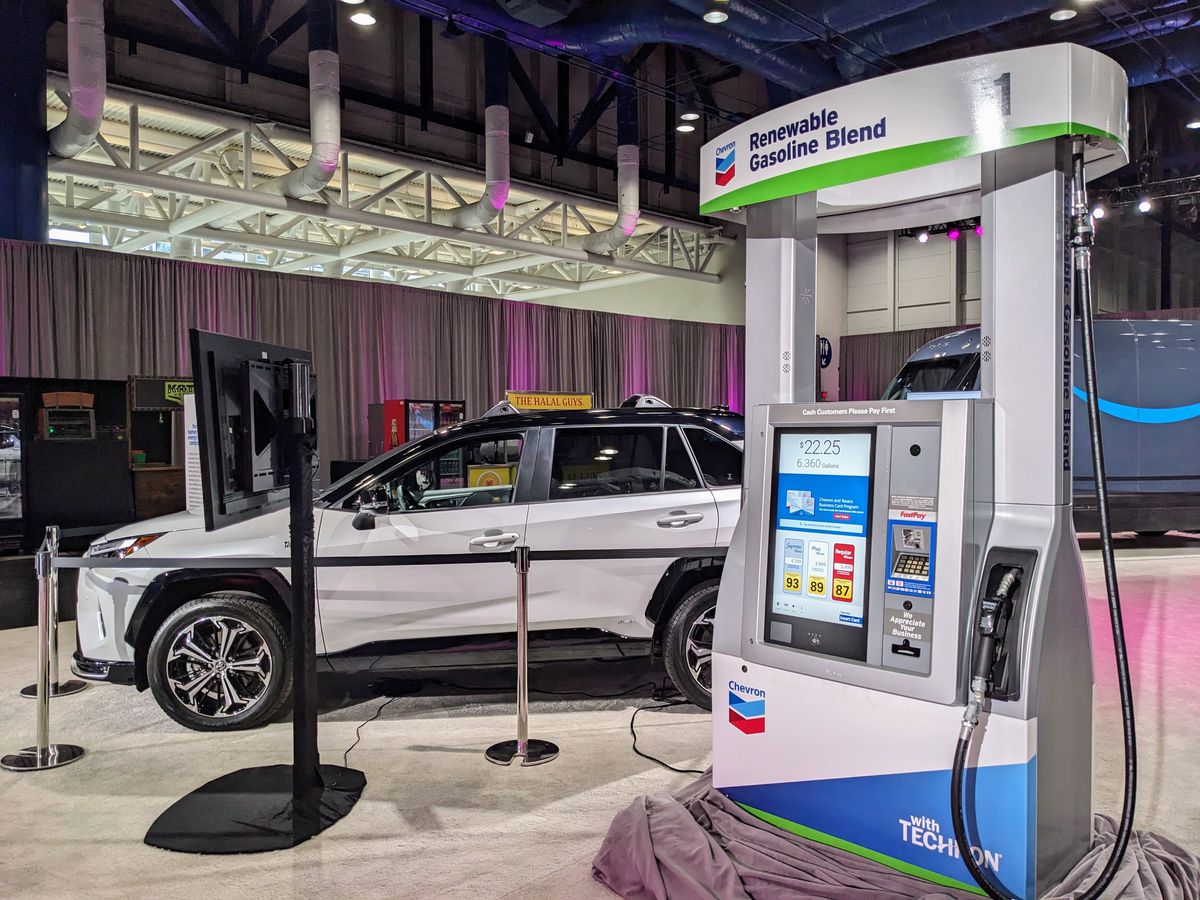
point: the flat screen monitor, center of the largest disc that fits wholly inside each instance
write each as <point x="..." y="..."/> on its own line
<point x="818" y="550"/>
<point x="243" y="394"/>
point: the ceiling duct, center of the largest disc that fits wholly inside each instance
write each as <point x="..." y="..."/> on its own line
<point x="809" y="21"/>
<point x="628" y="179"/>
<point x="324" y="107"/>
<point x="496" y="142"/>
<point x="611" y="29"/>
<point x="87" y="77"/>
<point x="929" y="25"/>
<point x="539" y="13"/>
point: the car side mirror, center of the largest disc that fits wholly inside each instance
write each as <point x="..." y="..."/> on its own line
<point x="364" y="520"/>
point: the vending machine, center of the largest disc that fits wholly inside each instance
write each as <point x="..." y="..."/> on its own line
<point x="396" y="422"/>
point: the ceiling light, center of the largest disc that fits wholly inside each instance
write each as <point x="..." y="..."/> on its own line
<point x="452" y="29"/>
<point x="922" y="236"/>
<point x="1144" y="205"/>
<point x="715" y="16"/>
<point x="1194" y="124"/>
<point x="1063" y="15"/>
<point x="362" y="18"/>
<point x="691" y="115"/>
<point x="1098" y="211"/>
<point x="497" y="252"/>
<point x="352" y="2"/>
<point x="953" y="234"/>
<point x="685" y="127"/>
<point x="978" y="231"/>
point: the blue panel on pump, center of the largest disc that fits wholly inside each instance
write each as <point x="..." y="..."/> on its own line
<point x="903" y="820"/>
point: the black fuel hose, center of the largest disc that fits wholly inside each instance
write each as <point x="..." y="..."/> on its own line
<point x="1081" y="241"/>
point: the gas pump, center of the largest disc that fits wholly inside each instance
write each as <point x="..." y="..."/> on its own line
<point x="905" y="574"/>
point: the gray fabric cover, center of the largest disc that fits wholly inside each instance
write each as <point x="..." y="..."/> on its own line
<point x="699" y="844"/>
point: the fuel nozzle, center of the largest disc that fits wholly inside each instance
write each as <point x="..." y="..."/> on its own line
<point x="995" y="611"/>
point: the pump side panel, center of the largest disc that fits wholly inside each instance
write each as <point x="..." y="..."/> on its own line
<point x="870" y="772"/>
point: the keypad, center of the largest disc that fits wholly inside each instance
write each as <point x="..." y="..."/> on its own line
<point x="912" y="566"/>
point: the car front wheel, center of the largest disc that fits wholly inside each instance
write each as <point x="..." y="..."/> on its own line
<point x="221" y="663"/>
<point x="688" y="644"/>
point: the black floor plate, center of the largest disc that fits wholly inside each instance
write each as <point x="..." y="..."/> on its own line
<point x="250" y="811"/>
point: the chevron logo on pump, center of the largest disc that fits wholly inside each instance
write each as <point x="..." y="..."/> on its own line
<point x="747" y="708"/>
<point x="726" y="157"/>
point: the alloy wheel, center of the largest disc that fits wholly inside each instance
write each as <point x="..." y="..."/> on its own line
<point x="219" y="666"/>
<point x="697" y="648"/>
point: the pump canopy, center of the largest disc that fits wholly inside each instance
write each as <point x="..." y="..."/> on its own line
<point x="910" y="135"/>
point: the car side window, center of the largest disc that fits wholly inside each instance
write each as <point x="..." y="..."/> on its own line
<point x="606" y="462"/>
<point x="479" y="471"/>
<point x="678" y="472"/>
<point x="719" y="460"/>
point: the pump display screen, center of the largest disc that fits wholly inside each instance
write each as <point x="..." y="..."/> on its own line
<point x="819" y="531"/>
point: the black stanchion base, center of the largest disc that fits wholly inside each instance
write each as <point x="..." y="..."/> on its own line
<point x="250" y="811"/>
<point x="536" y="752"/>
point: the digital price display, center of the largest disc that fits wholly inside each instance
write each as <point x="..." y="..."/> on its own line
<point x="819" y="533"/>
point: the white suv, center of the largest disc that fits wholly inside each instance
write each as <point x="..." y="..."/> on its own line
<point x="639" y="494"/>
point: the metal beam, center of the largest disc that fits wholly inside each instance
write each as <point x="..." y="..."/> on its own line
<point x="604" y="98"/>
<point x="533" y="97"/>
<point x="425" y="69"/>
<point x="117" y="27"/>
<point x="275" y="39"/>
<point x="212" y="25"/>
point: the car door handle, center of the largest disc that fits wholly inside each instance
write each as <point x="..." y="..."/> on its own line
<point x="680" y="518"/>
<point x="494" y="541"/>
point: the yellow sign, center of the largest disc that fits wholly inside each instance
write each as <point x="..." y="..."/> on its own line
<point x="791" y="581"/>
<point x="843" y="589"/>
<point x="539" y="401"/>
<point x="816" y="585"/>
<point x="490" y="476"/>
<point x="175" y="391"/>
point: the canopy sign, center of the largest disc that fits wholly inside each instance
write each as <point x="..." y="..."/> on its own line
<point x="917" y="118"/>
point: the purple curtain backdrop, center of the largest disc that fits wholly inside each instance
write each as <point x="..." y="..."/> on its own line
<point x="78" y="313"/>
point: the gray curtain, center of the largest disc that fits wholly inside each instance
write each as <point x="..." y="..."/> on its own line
<point x="868" y="362"/>
<point x="79" y="313"/>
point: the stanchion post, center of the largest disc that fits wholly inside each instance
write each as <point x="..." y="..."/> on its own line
<point x="57" y="688"/>
<point x="44" y="755"/>
<point x="533" y="752"/>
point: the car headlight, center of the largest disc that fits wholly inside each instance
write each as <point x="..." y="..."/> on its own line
<point x="119" y="548"/>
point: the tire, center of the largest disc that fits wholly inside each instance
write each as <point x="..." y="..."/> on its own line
<point x="187" y="648"/>
<point x="688" y="643"/>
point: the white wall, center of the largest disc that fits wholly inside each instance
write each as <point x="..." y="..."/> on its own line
<point x="896" y="283"/>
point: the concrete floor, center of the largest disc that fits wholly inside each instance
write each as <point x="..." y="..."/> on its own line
<point x="438" y="821"/>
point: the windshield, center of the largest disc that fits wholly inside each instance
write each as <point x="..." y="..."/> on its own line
<point x="947" y="373"/>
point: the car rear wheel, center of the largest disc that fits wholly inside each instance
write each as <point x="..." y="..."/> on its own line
<point x="221" y="663"/>
<point x="688" y="643"/>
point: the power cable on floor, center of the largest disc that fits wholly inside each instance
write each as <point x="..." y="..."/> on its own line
<point x="358" y="731"/>
<point x="358" y="736"/>
<point x="654" y="759"/>
<point x="663" y="695"/>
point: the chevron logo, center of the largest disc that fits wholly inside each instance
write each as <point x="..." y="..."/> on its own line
<point x="747" y="714"/>
<point x="726" y="157"/>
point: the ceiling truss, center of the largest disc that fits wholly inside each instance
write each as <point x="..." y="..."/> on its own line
<point x="172" y="179"/>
